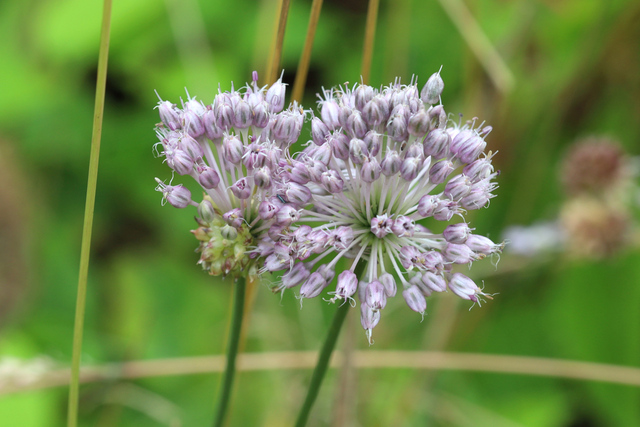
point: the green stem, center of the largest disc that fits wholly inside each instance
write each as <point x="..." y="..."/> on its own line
<point x="78" y="327"/>
<point x="369" y="36"/>
<point x="323" y="363"/>
<point x="232" y="351"/>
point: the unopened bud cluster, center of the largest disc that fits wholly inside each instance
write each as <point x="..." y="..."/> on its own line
<point x="381" y="166"/>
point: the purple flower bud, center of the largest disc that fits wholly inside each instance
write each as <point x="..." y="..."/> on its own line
<point x="177" y="195"/>
<point x="434" y="282"/>
<point x="369" y="319"/>
<point x="315" y="169"/>
<point x="373" y="142"/>
<point x="420" y="124"/>
<point x="274" y="262"/>
<point x="260" y="113"/>
<point x="363" y="94"/>
<point x="403" y="226"/>
<point x="476" y="199"/>
<point x="328" y="273"/>
<point x="180" y="162"/>
<point x="267" y="210"/>
<point x="440" y="171"/>
<point x="391" y="163"/>
<point x="389" y="284"/>
<point x="287" y="215"/>
<point x="410" y="167"/>
<point x="313" y="286"/>
<point x="356" y="125"/>
<point x="298" y="274"/>
<point x="432" y="90"/>
<point x="370" y="170"/>
<point x="397" y="128"/>
<point x="241" y="189"/>
<point x="262" y="177"/>
<point x="375" y="296"/>
<point x="332" y="182"/>
<point x="323" y="154"/>
<point x="467" y="146"/>
<point x="208" y="177"/>
<point x="428" y="205"/>
<point x="193" y="125"/>
<point x="457" y="233"/>
<point x="483" y="245"/>
<point x="381" y="225"/>
<point x="329" y="112"/>
<point x="319" y="131"/>
<point x="464" y="287"/>
<point x="275" y="96"/>
<point x="358" y="151"/>
<point x="459" y="254"/>
<point x="446" y="209"/>
<point x="169" y="115"/>
<point x="319" y="239"/>
<point x="372" y="114"/>
<point x="242" y="115"/>
<point x="297" y="194"/>
<point x="408" y="256"/>
<point x="234" y="218"/>
<point x="347" y="284"/>
<point x="224" y="113"/>
<point x="211" y="128"/>
<point x="414" y="151"/>
<point x="415" y="300"/>
<point x="437" y="143"/>
<point x="339" y="145"/>
<point x="479" y="169"/>
<point x="275" y="231"/>
<point x="458" y="187"/>
<point x="191" y="147"/>
<point x="300" y="173"/>
<point x="232" y="149"/>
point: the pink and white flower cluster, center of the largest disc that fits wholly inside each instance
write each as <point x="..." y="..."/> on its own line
<point x="383" y="164"/>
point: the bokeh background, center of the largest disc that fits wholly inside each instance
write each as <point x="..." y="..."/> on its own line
<point x="564" y="70"/>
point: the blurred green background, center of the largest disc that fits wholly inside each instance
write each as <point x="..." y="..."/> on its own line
<point x="576" y="72"/>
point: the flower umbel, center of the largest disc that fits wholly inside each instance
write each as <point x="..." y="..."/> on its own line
<point x="233" y="149"/>
<point x="379" y="161"/>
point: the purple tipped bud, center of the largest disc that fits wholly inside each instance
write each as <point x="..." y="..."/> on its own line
<point x="260" y="113"/>
<point x="242" y="115"/>
<point x="440" y="171"/>
<point x="267" y="210"/>
<point x="464" y="287"/>
<point x="192" y="124"/>
<point x="241" y="189"/>
<point x="329" y="113"/>
<point x="191" y="147"/>
<point x="403" y="226"/>
<point x="457" y="233"/>
<point x="300" y="173"/>
<point x="373" y="142"/>
<point x="372" y="114"/>
<point x="476" y="199"/>
<point x="319" y="239"/>
<point x="410" y="167"/>
<point x="313" y="286"/>
<point x="358" y="151"/>
<point x="177" y="195"/>
<point x="375" y="296"/>
<point x="341" y="237"/>
<point x="381" y="225"/>
<point x="297" y="194"/>
<point x="415" y="300"/>
<point x="319" y="131"/>
<point x="459" y="254"/>
<point x="370" y="170"/>
<point x="169" y="115"/>
<point x="458" y="187"/>
<point x="479" y="169"/>
<point x="389" y="284"/>
<point x="323" y="154"/>
<point x="224" y="114"/>
<point x="356" y="125"/>
<point x="369" y="319"/>
<point x="420" y="124"/>
<point x="363" y="94"/>
<point x="397" y="128"/>
<point x="427" y="205"/>
<point x="234" y="218"/>
<point x="446" y="209"/>
<point x="275" y="96"/>
<point x="232" y="149"/>
<point x="208" y="177"/>
<point x="467" y="145"/>
<point x="262" y="177"/>
<point x="332" y="182"/>
<point x="391" y="163"/>
<point x="434" y="282"/>
<point x="339" y="145"/>
<point x="180" y="162"/>
<point x="347" y="284"/>
<point x="437" y="143"/>
<point x="287" y="215"/>
<point x="328" y="273"/>
<point x="483" y="245"/>
<point x="298" y="274"/>
<point x="432" y="90"/>
<point x="211" y="128"/>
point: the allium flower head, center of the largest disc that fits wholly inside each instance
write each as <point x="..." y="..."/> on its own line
<point x="379" y="162"/>
<point x="233" y="148"/>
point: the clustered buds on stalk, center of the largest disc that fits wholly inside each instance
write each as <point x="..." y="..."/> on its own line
<point x="380" y="163"/>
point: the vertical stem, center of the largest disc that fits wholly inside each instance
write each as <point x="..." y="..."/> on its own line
<point x="78" y="328"/>
<point x="369" y="36"/>
<point x="276" y="50"/>
<point x="323" y="363"/>
<point x="232" y="351"/>
<point x="305" y="58"/>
